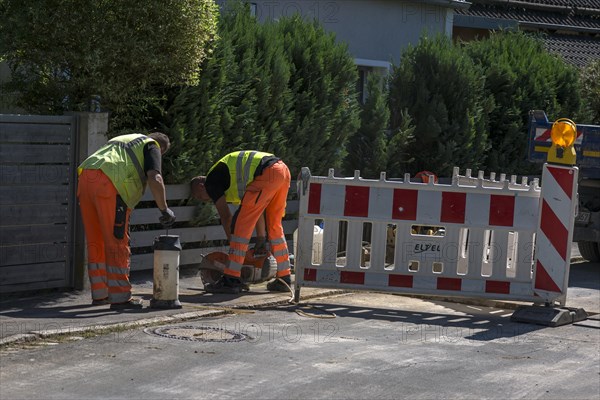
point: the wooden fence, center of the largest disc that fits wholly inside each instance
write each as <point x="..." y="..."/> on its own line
<point x="37" y="201"/>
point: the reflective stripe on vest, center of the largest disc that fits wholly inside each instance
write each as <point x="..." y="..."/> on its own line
<point x="242" y="165"/>
<point x="122" y="160"/>
<point x="243" y="171"/>
<point x="128" y="146"/>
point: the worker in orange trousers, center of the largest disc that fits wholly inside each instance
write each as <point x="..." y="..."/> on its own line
<point x="111" y="183"/>
<point x="259" y="183"/>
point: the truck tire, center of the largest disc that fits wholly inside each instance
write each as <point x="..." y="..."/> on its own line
<point x="589" y="250"/>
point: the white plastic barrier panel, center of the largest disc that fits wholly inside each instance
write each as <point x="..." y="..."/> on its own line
<point x="474" y="237"/>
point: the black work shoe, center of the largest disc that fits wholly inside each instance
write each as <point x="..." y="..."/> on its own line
<point x="277" y="284"/>
<point x="100" y="302"/>
<point x="131" y="304"/>
<point x="227" y="284"/>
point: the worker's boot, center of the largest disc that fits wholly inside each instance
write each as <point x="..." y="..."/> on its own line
<point x="277" y="285"/>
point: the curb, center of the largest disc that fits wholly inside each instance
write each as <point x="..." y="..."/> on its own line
<point x="99" y="328"/>
<point x="207" y="312"/>
<point x="324" y="293"/>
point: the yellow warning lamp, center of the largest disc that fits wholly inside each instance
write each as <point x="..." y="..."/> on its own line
<point x="563" y="135"/>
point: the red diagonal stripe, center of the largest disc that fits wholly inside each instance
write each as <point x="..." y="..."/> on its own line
<point x="554" y="230"/>
<point x="543" y="280"/>
<point x="544" y="136"/>
<point x="564" y="177"/>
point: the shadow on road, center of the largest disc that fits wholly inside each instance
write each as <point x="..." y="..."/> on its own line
<point x="585" y="275"/>
<point x="474" y="326"/>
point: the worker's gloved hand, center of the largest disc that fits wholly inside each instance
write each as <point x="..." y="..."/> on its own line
<point x="167" y="218"/>
<point x="260" y="248"/>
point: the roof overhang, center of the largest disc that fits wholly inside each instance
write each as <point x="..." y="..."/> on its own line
<point x="464" y="4"/>
<point x="471" y="21"/>
<point x="567" y="28"/>
<point x="363" y="62"/>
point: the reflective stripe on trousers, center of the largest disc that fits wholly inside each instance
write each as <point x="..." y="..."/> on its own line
<point x="266" y="193"/>
<point x="282" y="256"/>
<point x="108" y="257"/>
<point x="238" y="246"/>
<point x="98" y="284"/>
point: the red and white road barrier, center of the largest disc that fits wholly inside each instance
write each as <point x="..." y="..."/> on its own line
<point x="474" y="237"/>
<point x="555" y="231"/>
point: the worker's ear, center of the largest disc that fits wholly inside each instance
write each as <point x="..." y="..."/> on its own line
<point x="198" y="191"/>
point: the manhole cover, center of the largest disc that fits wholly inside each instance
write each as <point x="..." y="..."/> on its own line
<point x="197" y="333"/>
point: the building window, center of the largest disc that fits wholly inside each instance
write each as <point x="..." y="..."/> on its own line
<point x="361" y="83"/>
<point x="365" y="68"/>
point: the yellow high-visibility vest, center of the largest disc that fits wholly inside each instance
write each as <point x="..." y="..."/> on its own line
<point x="242" y="165"/>
<point x="122" y="161"/>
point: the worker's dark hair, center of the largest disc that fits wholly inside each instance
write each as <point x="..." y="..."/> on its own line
<point x="162" y="139"/>
<point x="197" y="180"/>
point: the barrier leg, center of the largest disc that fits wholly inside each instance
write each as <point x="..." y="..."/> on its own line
<point x="548" y="315"/>
<point x="296" y="294"/>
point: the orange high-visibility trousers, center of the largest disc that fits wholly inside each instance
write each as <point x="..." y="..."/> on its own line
<point x="266" y="193"/>
<point x="105" y="216"/>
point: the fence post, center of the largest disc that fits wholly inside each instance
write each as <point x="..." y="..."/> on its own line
<point x="91" y="135"/>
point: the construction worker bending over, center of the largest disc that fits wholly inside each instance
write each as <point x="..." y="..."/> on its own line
<point x="111" y="183"/>
<point x="259" y="183"/>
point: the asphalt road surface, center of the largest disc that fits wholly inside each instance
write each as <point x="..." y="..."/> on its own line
<point x="351" y="346"/>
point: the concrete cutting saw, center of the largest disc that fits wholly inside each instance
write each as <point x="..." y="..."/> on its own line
<point x="256" y="269"/>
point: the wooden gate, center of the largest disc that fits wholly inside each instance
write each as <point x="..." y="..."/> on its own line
<point x="37" y="201"/>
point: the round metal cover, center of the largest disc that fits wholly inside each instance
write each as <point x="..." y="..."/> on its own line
<point x="197" y="333"/>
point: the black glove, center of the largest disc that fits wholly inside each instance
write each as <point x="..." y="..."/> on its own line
<point x="168" y="218"/>
<point x="260" y="248"/>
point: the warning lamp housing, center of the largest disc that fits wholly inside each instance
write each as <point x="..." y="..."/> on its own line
<point x="564" y="132"/>
<point x="563" y="135"/>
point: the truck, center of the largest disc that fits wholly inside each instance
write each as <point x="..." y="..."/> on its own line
<point x="587" y="146"/>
